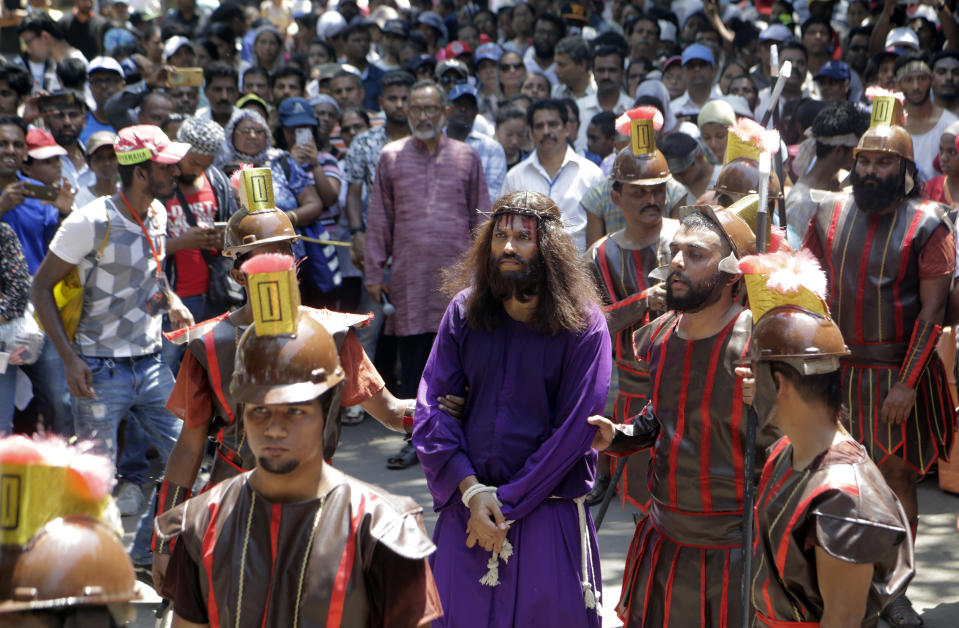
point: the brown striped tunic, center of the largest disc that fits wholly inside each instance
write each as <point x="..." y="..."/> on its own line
<point x="355" y="557"/>
<point x="839" y="503"/>
<point x="874" y="263"/>
<point x="623" y="275"/>
<point x="684" y="564"/>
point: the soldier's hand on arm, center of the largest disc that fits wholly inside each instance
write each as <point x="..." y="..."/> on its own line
<point x="605" y="433"/>
<point x="452" y="405"/>
<point x="749" y="384"/>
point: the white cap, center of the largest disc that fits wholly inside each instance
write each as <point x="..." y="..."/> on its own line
<point x="173" y="44"/>
<point x="904" y="37"/>
<point x="104" y="63"/>
<point x="330" y="25"/>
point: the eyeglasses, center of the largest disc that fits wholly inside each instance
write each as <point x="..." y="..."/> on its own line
<point x="431" y="111"/>
<point x="27" y="42"/>
<point x="506" y="67"/>
<point x="252" y="132"/>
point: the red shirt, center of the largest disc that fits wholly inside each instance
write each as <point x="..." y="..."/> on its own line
<point x="192" y="274"/>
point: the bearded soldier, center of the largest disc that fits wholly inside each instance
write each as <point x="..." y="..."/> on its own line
<point x="890" y="257"/>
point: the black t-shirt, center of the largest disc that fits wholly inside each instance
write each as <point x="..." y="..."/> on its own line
<point x="84" y="36"/>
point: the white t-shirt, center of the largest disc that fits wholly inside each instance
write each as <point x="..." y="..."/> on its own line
<point x="925" y="147"/>
<point x="116" y="320"/>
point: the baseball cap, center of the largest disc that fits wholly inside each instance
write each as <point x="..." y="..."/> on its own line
<point x="296" y="112"/>
<point x="903" y="37"/>
<point x="488" y="52"/>
<point x="463" y="89"/>
<point x="418" y="61"/>
<point x="146" y="142"/>
<point x="573" y="12"/>
<point x="108" y="64"/>
<point x="698" y="52"/>
<point x="456" y="48"/>
<point x="242" y="101"/>
<point x="41" y="145"/>
<point x="452" y="64"/>
<point x="330" y="25"/>
<point x="433" y="20"/>
<point x="672" y="61"/>
<point x="99" y="140"/>
<point x="397" y="27"/>
<point x="836" y="70"/>
<point x="173" y="44"/>
<point x="776" y="32"/>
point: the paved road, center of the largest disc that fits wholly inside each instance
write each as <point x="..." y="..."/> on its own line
<point x="935" y="591"/>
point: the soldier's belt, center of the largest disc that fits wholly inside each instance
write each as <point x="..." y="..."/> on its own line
<point x="711" y="530"/>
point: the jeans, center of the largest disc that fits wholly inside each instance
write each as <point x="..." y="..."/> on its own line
<point x="8" y="387"/>
<point x="137" y="388"/>
<point x="50" y="388"/>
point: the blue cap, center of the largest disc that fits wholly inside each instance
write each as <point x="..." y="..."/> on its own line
<point x="836" y="70"/>
<point x="491" y="52"/>
<point x="698" y="51"/>
<point x="463" y="89"/>
<point x="418" y="61"/>
<point x="776" y="32"/>
<point x="397" y="27"/>
<point x="434" y="20"/>
<point x="296" y="112"/>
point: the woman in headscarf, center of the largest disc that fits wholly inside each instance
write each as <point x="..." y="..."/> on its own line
<point x="267" y="50"/>
<point x="657" y="89"/>
<point x="714" y="121"/>
<point x="945" y="188"/>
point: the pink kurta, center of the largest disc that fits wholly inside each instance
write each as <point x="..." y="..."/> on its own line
<point x="423" y="209"/>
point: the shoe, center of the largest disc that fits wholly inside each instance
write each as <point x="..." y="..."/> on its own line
<point x="596" y="495"/>
<point x="899" y="613"/>
<point x="130" y="499"/>
<point x="404" y="459"/>
<point x="144" y="573"/>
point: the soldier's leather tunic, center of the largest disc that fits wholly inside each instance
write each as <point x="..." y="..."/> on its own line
<point x="839" y="503"/>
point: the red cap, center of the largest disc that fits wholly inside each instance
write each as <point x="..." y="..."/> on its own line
<point x="143" y="142"/>
<point x="41" y="145"/>
<point x="456" y="48"/>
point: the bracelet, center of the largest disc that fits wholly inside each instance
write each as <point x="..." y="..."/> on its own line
<point x="293" y="217"/>
<point x="408" y="413"/>
<point x="355" y="230"/>
<point x="474" y="490"/>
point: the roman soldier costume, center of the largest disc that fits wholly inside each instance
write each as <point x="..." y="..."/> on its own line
<point x="353" y="556"/>
<point x="623" y="275"/>
<point x="875" y="263"/>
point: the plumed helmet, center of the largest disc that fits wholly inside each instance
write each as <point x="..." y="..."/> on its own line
<point x="886" y="139"/>
<point x="247" y="230"/>
<point x="736" y="230"/>
<point x="648" y="169"/>
<point x="72" y="561"/>
<point x="808" y="341"/>
<point x="286" y="368"/>
<point x="741" y="177"/>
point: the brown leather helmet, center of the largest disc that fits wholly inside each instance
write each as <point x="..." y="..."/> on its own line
<point x="273" y="369"/>
<point x="649" y="169"/>
<point x="72" y="561"/>
<point x="886" y="139"/>
<point x="809" y="342"/>
<point x="741" y="177"/>
<point x="737" y="231"/>
<point x="247" y="230"/>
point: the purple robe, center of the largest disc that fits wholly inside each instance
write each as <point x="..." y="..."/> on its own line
<point x="525" y="431"/>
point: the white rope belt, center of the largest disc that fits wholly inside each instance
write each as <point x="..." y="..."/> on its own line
<point x="588" y="582"/>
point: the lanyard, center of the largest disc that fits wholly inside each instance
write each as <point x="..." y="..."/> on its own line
<point x="147" y="235"/>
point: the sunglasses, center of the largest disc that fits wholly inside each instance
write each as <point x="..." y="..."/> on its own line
<point x="506" y="67"/>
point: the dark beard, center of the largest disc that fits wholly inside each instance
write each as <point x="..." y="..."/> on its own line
<point x="543" y="51"/>
<point x="874" y="194"/>
<point x="522" y="284"/>
<point x="700" y="295"/>
<point x="280" y="469"/>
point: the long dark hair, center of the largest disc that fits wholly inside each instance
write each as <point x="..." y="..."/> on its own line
<point x="567" y="291"/>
